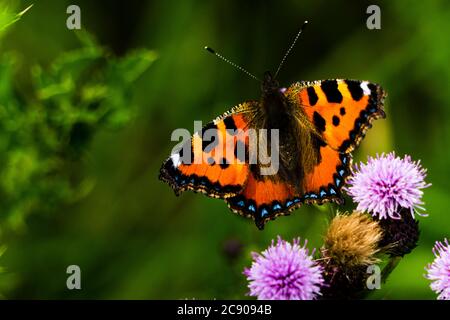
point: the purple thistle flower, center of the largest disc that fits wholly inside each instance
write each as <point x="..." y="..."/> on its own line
<point x="386" y="184"/>
<point x="439" y="271"/>
<point x="284" y="271"/>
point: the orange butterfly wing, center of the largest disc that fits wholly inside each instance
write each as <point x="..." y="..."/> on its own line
<point x="341" y="110"/>
<point x="324" y="182"/>
<point x="211" y="166"/>
<point x="264" y="199"/>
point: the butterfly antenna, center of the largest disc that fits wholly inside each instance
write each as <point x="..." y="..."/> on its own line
<point x="290" y="48"/>
<point x="231" y="62"/>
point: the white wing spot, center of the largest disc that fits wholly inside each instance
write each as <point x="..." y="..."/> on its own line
<point x="175" y="159"/>
<point x="365" y="88"/>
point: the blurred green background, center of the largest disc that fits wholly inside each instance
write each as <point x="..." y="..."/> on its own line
<point x="86" y="118"/>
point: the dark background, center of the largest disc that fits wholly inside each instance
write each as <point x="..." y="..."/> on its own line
<point x="130" y="235"/>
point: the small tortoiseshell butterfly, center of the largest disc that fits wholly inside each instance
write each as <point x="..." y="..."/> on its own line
<point x="320" y="123"/>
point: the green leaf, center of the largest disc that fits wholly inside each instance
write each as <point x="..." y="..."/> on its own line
<point x="46" y="131"/>
<point x="134" y="64"/>
<point x="8" y="17"/>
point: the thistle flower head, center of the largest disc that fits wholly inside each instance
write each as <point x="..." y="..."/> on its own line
<point x="352" y="240"/>
<point x="387" y="183"/>
<point x="284" y="271"/>
<point x="439" y="271"/>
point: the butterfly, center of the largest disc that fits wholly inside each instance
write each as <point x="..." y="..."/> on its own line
<point x="319" y="124"/>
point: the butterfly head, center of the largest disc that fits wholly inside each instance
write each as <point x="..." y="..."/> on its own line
<point x="269" y="84"/>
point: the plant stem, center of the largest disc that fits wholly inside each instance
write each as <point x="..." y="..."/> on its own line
<point x="392" y="264"/>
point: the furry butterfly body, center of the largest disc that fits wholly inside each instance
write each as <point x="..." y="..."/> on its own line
<point x="319" y="124"/>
